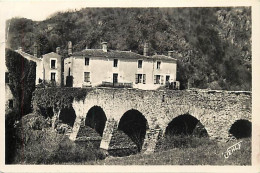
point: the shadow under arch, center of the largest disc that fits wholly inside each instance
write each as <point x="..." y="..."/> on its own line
<point x="46" y="112"/>
<point x="67" y="116"/>
<point x="186" y="124"/>
<point x="96" y="119"/>
<point x="134" y="124"/>
<point x="241" y="129"/>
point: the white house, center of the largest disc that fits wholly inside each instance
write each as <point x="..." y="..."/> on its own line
<point x="48" y="67"/>
<point x="103" y="67"/>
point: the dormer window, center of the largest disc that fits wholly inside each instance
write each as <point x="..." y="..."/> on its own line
<point x="53" y="64"/>
<point x="115" y="62"/>
<point x="158" y="64"/>
<point x="140" y="63"/>
<point x="86" y="61"/>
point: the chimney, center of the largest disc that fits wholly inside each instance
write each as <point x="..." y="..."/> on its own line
<point x="170" y="54"/>
<point x="69" y="48"/>
<point x="58" y="50"/>
<point x="35" y="49"/>
<point x="146" y="49"/>
<point x="104" y="46"/>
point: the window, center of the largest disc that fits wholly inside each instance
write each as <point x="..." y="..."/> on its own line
<point x="167" y="78"/>
<point x="53" y="76"/>
<point x="144" y="78"/>
<point x="11" y="104"/>
<point x="115" y="62"/>
<point x="140" y="78"/>
<point x="167" y="81"/>
<point x="140" y="63"/>
<point x="157" y="79"/>
<point x="86" y="61"/>
<point x="158" y="64"/>
<point x="6" y="77"/>
<point x="162" y="79"/>
<point x="86" y="76"/>
<point x="53" y="64"/>
<point x="39" y="80"/>
<point x="115" y="78"/>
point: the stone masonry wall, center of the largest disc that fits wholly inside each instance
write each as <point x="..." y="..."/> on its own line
<point x="216" y="110"/>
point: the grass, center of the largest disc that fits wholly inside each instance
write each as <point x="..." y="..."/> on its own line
<point x="209" y="153"/>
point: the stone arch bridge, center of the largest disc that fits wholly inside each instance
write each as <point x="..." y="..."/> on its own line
<point x="216" y="110"/>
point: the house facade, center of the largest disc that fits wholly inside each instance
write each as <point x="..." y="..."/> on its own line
<point x="52" y="68"/>
<point x="38" y="61"/>
<point x="48" y="67"/>
<point x="103" y="67"/>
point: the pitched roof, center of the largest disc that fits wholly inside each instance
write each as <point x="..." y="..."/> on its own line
<point x="163" y="57"/>
<point x="28" y="56"/>
<point x="118" y="54"/>
<point x="51" y="55"/>
<point x="108" y="54"/>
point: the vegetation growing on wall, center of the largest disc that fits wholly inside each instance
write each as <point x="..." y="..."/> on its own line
<point x="22" y="75"/>
<point x="58" y="98"/>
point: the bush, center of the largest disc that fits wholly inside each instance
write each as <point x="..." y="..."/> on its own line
<point x="37" y="143"/>
<point x="56" y="97"/>
<point x="69" y="151"/>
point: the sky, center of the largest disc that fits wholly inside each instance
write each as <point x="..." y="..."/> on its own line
<point x="37" y="10"/>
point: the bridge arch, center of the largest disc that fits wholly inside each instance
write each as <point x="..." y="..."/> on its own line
<point x="67" y="116"/>
<point x="186" y="124"/>
<point x="96" y="119"/>
<point x="46" y="112"/>
<point x="134" y="124"/>
<point x="241" y="128"/>
<point x="201" y="115"/>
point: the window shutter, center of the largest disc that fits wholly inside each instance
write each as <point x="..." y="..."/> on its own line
<point x="144" y="78"/>
<point x="162" y="80"/>
<point x="136" y="78"/>
<point x="154" y="79"/>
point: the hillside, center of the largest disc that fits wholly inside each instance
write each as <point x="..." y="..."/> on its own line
<point x="213" y="44"/>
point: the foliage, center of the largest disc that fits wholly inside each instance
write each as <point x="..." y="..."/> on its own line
<point x="68" y="151"/>
<point x="206" y="153"/>
<point x="11" y="140"/>
<point x="34" y="132"/>
<point x="58" y="98"/>
<point x="22" y="75"/>
<point x="213" y="44"/>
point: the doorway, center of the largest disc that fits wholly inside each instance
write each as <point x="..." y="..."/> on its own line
<point x="115" y="78"/>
